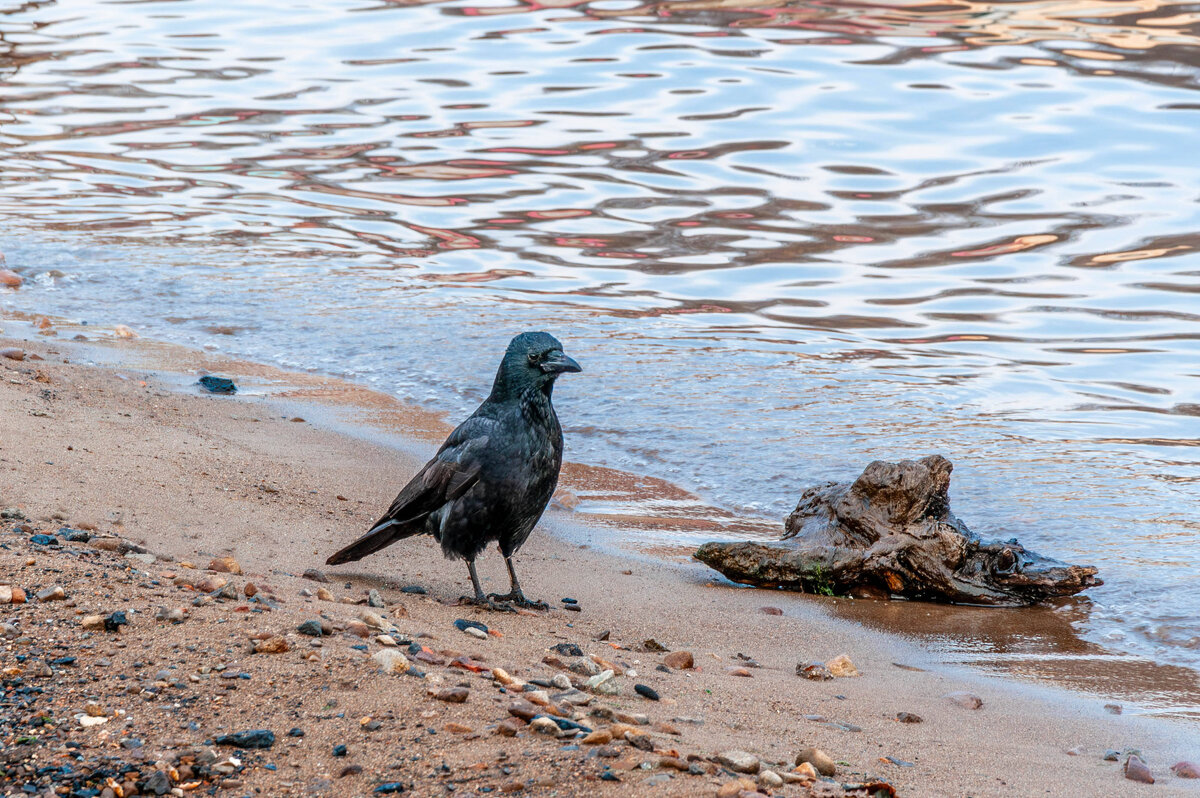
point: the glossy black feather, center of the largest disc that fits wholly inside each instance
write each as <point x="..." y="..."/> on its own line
<point x="494" y="475"/>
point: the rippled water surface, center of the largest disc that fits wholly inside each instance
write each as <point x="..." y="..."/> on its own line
<point x="784" y="239"/>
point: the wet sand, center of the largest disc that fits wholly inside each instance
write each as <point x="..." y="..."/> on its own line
<point x="126" y="446"/>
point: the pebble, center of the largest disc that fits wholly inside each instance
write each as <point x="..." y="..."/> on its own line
<point x="509" y="727"/>
<point x="908" y="717"/>
<point x="965" y="700"/>
<point x="452" y="695"/>
<point x="1111" y="756"/>
<point x="272" y="645"/>
<point x="44" y="540"/>
<point x="312" y="628"/>
<point x="217" y="384"/>
<point x="1186" y="770"/>
<point x="324" y="595"/>
<point x="739" y="762"/>
<point x="250" y="590"/>
<point x="373" y="619"/>
<point x="177" y="615"/>
<point x="732" y="789"/>
<point x="599" y="679"/>
<point x="340" y="750"/>
<point x="1136" y="770"/>
<point x="350" y="770"/>
<point x="414" y="590"/>
<point x="543" y="725"/>
<point x="841" y="667"/>
<point x="822" y="762"/>
<point x="89" y="621"/>
<point x="296" y="732"/>
<point x="389" y="787"/>
<point x="742" y="672"/>
<point x="12" y="354"/>
<point x="211" y="584"/>
<point x="598" y="737"/>
<point x="52" y="593"/>
<point x="10" y="279"/>
<point x="476" y="633"/>
<point x="391" y="661"/>
<point x="144" y="557"/>
<point x="567" y="650"/>
<point x="771" y="779"/>
<point x="11" y="595"/>
<point x="385" y="640"/>
<point x="258" y="738"/>
<point x="680" y="660"/>
<point x="646" y="692"/>
<point x="225" y="565"/>
<point x="315" y="575"/>
<point x="770" y="611"/>
<point x="805" y="770"/>
<point x="374" y="599"/>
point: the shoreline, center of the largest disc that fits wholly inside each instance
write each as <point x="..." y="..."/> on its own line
<point x="1028" y="728"/>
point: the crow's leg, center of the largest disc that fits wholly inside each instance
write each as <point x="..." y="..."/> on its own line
<point x="480" y="600"/>
<point x="515" y="595"/>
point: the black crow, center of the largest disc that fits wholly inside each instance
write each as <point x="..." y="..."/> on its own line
<point x="493" y="476"/>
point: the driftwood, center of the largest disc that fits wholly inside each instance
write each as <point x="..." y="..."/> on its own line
<point x="891" y="532"/>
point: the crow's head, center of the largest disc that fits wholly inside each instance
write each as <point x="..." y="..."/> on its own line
<point x="532" y="360"/>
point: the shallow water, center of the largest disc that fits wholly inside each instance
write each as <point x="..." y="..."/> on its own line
<point x="783" y="239"/>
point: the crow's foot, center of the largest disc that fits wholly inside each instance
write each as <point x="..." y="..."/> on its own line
<point x="483" y="603"/>
<point x="518" y="598"/>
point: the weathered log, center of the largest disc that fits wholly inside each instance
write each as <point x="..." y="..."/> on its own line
<point x="891" y="532"/>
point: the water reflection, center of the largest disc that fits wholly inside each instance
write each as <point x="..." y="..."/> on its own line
<point x="790" y="237"/>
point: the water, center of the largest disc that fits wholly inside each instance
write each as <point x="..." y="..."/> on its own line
<point x="784" y="239"/>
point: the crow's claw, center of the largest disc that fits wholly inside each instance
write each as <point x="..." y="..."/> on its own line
<point x="519" y="600"/>
<point x="483" y="603"/>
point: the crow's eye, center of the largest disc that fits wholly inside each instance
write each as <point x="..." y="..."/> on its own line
<point x="535" y="358"/>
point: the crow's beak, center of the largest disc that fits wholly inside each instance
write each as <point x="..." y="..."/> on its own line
<point x="558" y="362"/>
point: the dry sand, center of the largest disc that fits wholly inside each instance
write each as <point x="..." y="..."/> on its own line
<point x="127" y="446"/>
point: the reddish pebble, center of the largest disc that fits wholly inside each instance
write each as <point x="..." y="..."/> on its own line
<point x="743" y="672"/>
<point x="1136" y="770"/>
<point x="10" y="279"/>
<point x="770" y="611"/>
<point x="1186" y="770"/>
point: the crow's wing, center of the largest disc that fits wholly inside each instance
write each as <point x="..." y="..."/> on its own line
<point x="445" y="478"/>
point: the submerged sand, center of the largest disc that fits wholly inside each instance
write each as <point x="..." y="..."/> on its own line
<point x="114" y="438"/>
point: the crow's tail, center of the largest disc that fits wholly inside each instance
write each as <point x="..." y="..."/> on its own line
<point x="383" y="534"/>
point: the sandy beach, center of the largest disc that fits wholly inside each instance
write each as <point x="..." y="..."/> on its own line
<point x="111" y="437"/>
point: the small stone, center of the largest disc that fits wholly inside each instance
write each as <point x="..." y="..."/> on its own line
<point x="350" y="770"/>
<point x="225" y="565"/>
<point x="44" y="540"/>
<point x="561" y="681"/>
<point x="358" y="628"/>
<point x="567" y="650"/>
<point x="312" y="628"/>
<point x="272" y="645"/>
<point x="642" y="742"/>
<point x="144" y="557"/>
<point x="509" y="727"/>
<point x="295" y="731"/>
<point x="250" y="590"/>
<point x="94" y="710"/>
<point x="462" y="625"/>
<point x="416" y="590"/>
<point x="95" y="622"/>
<point x="452" y="695"/>
<point x="52" y="593"/>
<point x="324" y="595"/>
<point x="10" y="279"/>
<point x="391" y="661"/>
<point x="177" y="615"/>
<point x="646" y="692"/>
<point x="211" y="584"/>
<point x="259" y="738"/>
<point x="821" y="761"/>
<point x="805" y="770"/>
<point x="1136" y="770"/>
<point x="680" y="660"/>
<point x="374" y="599"/>
<point x="385" y="640"/>
<point x="1186" y="770"/>
<point x="733" y="789"/>
<point x="115" y="621"/>
<point x="742" y="672"/>
<point x="373" y="619"/>
<point x="598" y="737"/>
<point x="543" y="725"/>
<point x="340" y="750"/>
<point x="12" y="353"/>
<point x="965" y="700"/>
<point x="1112" y="756"/>
<point x="771" y="779"/>
<point x="473" y="632"/>
<point x="457" y="728"/>
<point x="770" y="611"/>
<point x="596" y="681"/>
<point x="841" y="667"/>
<point x="122" y="331"/>
<point x="1113" y="709"/>
<point x="315" y="575"/>
<point x="739" y="762"/>
<point x="908" y="717"/>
